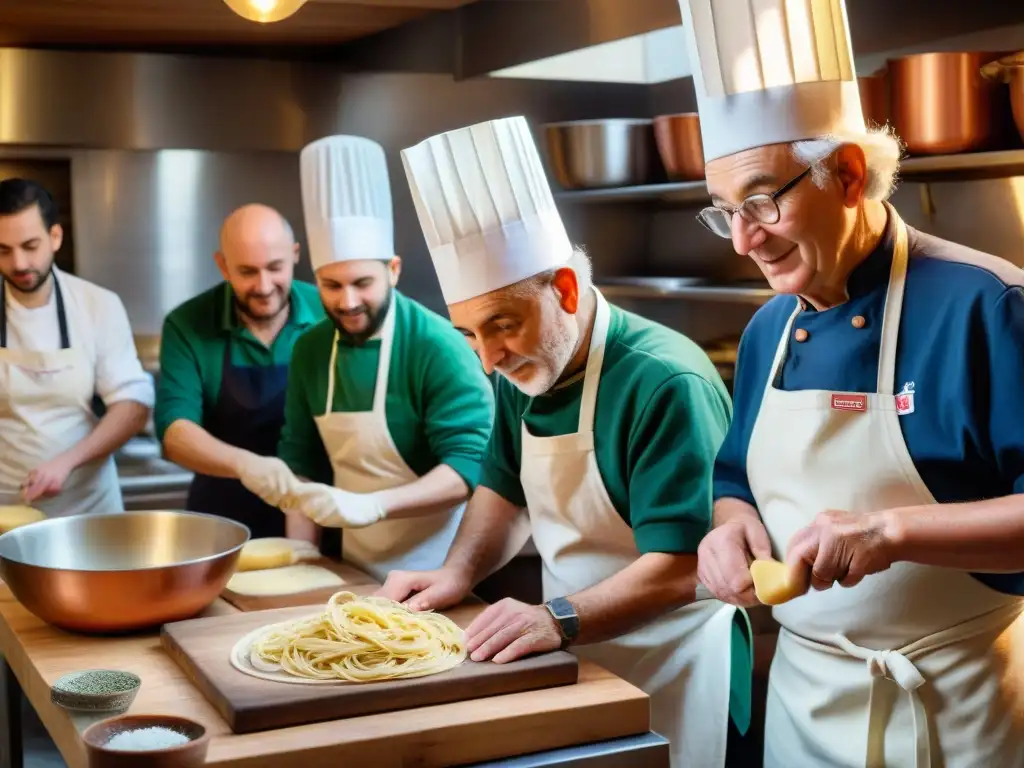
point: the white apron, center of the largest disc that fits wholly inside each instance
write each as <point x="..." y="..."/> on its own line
<point x="45" y="409"/>
<point x="364" y="459"/>
<point x="682" y="660"/>
<point x="900" y="670"/>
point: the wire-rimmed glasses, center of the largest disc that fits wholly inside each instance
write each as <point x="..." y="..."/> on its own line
<point x="761" y="208"/>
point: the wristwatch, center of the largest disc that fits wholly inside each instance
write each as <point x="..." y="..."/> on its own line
<point x="565" y="616"/>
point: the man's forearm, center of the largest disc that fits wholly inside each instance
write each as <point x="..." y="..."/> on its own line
<point x="119" y="424"/>
<point x="479" y="544"/>
<point x="439" y="490"/>
<point x="192" y="447"/>
<point x="973" y="536"/>
<point x="727" y="509"/>
<point x="651" y="586"/>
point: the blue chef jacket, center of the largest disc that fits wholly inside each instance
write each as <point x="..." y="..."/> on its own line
<point x="961" y="344"/>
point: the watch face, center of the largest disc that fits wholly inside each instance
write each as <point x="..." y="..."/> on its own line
<point x="562" y="608"/>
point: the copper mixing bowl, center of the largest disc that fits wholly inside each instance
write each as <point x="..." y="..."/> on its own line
<point x="120" y="571"/>
<point x="680" y="145"/>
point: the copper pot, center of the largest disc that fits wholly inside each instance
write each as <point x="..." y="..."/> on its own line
<point x="1010" y="70"/>
<point x="680" y="145"/>
<point x="874" y="97"/>
<point x="941" y="104"/>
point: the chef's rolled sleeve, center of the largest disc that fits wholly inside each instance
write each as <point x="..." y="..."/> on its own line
<point x="672" y="449"/>
<point x="180" y="391"/>
<point x="119" y="373"/>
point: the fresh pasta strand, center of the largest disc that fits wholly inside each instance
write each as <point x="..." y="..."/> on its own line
<point x="362" y="639"/>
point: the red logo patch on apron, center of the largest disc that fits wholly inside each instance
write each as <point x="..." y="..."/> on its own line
<point x="850" y="403"/>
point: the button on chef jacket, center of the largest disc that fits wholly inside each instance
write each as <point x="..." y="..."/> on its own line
<point x="662" y="412"/>
<point x="439" y="404"/>
<point x="961" y="348"/>
<point x="215" y="373"/>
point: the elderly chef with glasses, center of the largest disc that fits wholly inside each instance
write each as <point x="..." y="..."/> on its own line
<point x="63" y="342"/>
<point x="387" y="412"/>
<point x="606" y="431"/>
<point x="877" y="445"/>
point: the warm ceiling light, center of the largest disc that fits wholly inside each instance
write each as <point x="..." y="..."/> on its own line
<point x="264" y="11"/>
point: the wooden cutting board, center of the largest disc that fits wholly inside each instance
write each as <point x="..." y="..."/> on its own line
<point x="202" y="648"/>
<point x="351" y="576"/>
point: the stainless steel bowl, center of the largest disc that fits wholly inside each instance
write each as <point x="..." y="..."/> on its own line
<point x="591" y="154"/>
<point x="123" y="571"/>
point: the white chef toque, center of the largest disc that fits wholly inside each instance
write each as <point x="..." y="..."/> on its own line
<point x="770" y="71"/>
<point x="485" y="207"/>
<point x="346" y="200"/>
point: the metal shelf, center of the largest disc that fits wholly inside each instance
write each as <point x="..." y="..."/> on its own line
<point x="685" y="288"/>
<point x="963" y="167"/>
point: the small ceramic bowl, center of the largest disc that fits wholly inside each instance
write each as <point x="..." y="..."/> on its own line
<point x="102" y="754"/>
<point x="62" y="694"/>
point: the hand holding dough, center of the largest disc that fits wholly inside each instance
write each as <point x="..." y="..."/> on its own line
<point x="275" y="552"/>
<point x="334" y="507"/>
<point x="775" y="583"/>
<point x="268" y="477"/>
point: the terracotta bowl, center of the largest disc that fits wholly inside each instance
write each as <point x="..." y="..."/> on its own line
<point x="188" y="755"/>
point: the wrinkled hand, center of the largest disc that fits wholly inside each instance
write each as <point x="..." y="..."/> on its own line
<point x="724" y="556"/>
<point x="267" y="476"/>
<point x="840" y="547"/>
<point x="46" y="480"/>
<point x="335" y="508"/>
<point x="426" y="590"/>
<point x="509" y="630"/>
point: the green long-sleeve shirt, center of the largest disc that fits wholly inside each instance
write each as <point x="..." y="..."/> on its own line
<point x="439" y="404"/>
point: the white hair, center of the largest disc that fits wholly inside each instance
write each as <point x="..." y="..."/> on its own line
<point x="579" y="263"/>
<point x="882" y="149"/>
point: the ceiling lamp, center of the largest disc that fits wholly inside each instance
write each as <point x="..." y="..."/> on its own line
<point x="264" y="11"/>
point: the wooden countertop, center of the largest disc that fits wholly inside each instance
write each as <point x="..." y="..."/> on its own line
<point x="600" y="706"/>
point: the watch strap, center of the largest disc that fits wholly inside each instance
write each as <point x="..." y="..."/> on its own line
<point x="565" y="617"/>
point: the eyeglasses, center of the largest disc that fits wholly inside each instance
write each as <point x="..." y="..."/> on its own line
<point x="756" y="209"/>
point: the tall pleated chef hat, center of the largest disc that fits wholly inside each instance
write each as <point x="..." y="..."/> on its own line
<point x="485" y="207"/>
<point x="346" y="200"/>
<point x="770" y="71"/>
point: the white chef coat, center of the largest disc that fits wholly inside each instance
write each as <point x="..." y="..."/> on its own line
<point x="107" y="364"/>
<point x="97" y="322"/>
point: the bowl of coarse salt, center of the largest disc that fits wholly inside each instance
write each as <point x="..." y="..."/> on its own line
<point x="154" y="741"/>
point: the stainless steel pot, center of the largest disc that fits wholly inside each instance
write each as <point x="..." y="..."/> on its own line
<point x="121" y="571"/>
<point x="590" y="154"/>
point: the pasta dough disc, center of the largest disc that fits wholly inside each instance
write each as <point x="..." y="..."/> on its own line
<point x="283" y="581"/>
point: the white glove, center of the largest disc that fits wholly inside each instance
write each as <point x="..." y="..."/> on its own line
<point x="335" y="508"/>
<point x="268" y="477"/>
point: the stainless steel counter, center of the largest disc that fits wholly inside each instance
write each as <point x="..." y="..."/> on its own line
<point x="648" y="750"/>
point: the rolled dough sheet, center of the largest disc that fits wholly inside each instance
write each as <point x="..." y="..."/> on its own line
<point x="283" y="581"/>
<point x="241" y="658"/>
<point x="275" y="552"/>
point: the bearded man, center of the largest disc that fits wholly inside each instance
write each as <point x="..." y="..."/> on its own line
<point x="388" y="411"/>
<point x="605" y="439"/>
<point x="224" y="367"/>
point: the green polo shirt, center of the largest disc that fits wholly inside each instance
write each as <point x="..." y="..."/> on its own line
<point x="662" y="413"/>
<point x="192" y="346"/>
<point x="439" y="404"/>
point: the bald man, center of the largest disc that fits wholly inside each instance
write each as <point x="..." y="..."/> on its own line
<point x="224" y="369"/>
